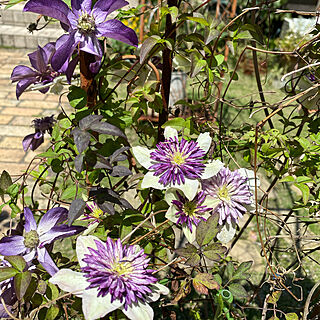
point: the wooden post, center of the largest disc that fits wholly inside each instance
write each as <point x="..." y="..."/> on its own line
<point x="87" y="82"/>
<point x="166" y="72"/>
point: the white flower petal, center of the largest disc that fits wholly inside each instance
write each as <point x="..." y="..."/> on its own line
<point x="171" y="194"/>
<point x="189" y="188"/>
<point x="142" y="154"/>
<point x="249" y="174"/>
<point x="204" y="141"/>
<point x="191" y="236"/>
<point x="138" y="311"/>
<point x="91" y="228"/>
<point x="151" y="181"/>
<point x="171" y="214"/>
<point x="211" y="202"/>
<point x="95" y="307"/>
<point x="211" y="169"/>
<point x="157" y="289"/>
<point x="70" y="281"/>
<point x="170" y="132"/>
<point x="83" y="242"/>
<point x="227" y="233"/>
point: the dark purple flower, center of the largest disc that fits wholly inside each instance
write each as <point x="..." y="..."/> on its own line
<point x="113" y="276"/>
<point x="190" y="212"/>
<point x="233" y="192"/>
<point x="41" y="126"/>
<point x="175" y="160"/>
<point x="32" y="244"/>
<point x="84" y="25"/>
<point x="42" y="73"/>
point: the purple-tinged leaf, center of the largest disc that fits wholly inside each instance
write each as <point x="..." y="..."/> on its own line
<point x="87" y="121"/>
<point x="207" y="230"/>
<point x="189" y="252"/>
<point x="81" y="139"/>
<point x="78" y="162"/>
<point x="118" y="156"/>
<point x="120" y="171"/>
<point x="17" y="262"/>
<point x="214" y="251"/>
<point x="204" y="281"/>
<point x="5" y="180"/>
<point x="76" y="210"/>
<point x="107" y="207"/>
<point x="106" y="128"/>
<point x="21" y="283"/>
<point x="102" y="163"/>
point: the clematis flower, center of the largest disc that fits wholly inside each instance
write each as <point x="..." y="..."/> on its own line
<point x="188" y="213"/>
<point x="113" y="276"/>
<point x="95" y="213"/>
<point x="41" y="126"/>
<point x="42" y="72"/>
<point x="84" y="25"/>
<point x="32" y="244"/>
<point x="232" y="191"/>
<point x="177" y="163"/>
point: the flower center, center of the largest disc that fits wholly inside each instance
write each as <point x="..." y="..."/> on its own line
<point x="96" y="212"/>
<point x="178" y="159"/>
<point x="86" y="23"/>
<point x="122" y="268"/>
<point x="189" y="208"/>
<point x="223" y="193"/>
<point x="31" y="239"/>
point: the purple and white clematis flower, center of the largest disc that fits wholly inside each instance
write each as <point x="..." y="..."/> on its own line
<point x="41" y="126"/>
<point x="32" y="244"/>
<point x="177" y="163"/>
<point x="84" y="25"/>
<point x="42" y="72"/>
<point x="188" y="213"/>
<point x="233" y="193"/>
<point x="113" y="276"/>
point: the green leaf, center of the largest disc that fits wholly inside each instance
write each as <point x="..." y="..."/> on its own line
<point x="48" y="154"/>
<point x="5" y="180"/>
<point x="77" y="97"/>
<point x="52" y="312"/>
<point x="238" y="290"/>
<point x="178" y="123"/>
<point x="69" y="193"/>
<point x="291" y="316"/>
<point x="11" y="3"/>
<point x="21" y="283"/>
<point x="273" y="299"/>
<point x="17" y="262"/>
<point x="13" y="190"/>
<point x="7" y="273"/>
<point x="241" y="272"/>
<point x="52" y="291"/>
<point x="199" y="19"/>
<point x="147" y="46"/>
<point x="207" y="230"/>
<point x="214" y="251"/>
<point x="219" y="59"/>
<point x="229" y="271"/>
<point x="305" y="191"/>
<point x="287" y="179"/>
<point x="197" y="66"/>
